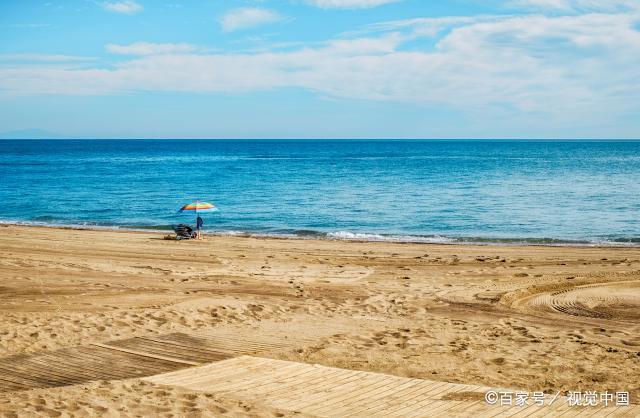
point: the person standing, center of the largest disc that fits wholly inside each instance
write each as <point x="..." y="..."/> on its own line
<point x="199" y="223"/>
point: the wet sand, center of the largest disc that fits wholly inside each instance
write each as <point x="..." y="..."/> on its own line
<point x="524" y="317"/>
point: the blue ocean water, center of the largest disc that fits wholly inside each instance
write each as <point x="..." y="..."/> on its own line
<point x="431" y="191"/>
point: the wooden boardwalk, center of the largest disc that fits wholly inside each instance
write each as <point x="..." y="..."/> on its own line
<point x="231" y="366"/>
<point x="133" y="357"/>
<point x="331" y="392"/>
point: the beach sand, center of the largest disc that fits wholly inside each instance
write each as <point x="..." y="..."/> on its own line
<point x="523" y="317"/>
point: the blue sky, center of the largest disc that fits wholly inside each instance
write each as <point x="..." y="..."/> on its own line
<point x="321" y="68"/>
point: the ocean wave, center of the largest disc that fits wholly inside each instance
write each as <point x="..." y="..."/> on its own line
<point x="358" y="236"/>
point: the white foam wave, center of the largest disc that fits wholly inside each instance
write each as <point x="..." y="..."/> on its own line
<point x="354" y="236"/>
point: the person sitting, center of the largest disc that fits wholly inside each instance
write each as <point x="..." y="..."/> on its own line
<point x="182" y="232"/>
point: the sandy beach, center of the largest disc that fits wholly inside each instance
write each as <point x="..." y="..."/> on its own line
<point x="523" y="317"/>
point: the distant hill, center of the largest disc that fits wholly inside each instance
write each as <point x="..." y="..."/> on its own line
<point x="30" y="134"/>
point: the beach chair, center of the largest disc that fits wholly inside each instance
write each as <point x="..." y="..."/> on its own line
<point x="183" y="231"/>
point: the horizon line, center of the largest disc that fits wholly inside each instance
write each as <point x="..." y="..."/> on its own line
<point x="322" y="139"/>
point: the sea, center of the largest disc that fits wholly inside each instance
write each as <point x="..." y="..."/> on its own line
<point x="547" y="192"/>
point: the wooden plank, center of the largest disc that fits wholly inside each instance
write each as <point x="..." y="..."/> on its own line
<point x="288" y="384"/>
<point x="473" y="409"/>
<point x="424" y="397"/>
<point x="427" y="403"/>
<point x="399" y="399"/>
<point x="303" y="387"/>
<point x="417" y="407"/>
<point x="144" y="354"/>
<point x="231" y="375"/>
<point x="26" y="377"/>
<point x="391" y="396"/>
<point x="248" y="380"/>
<point x="182" y="346"/>
<point x="317" y="393"/>
<point x="81" y="368"/>
<point x="343" y="397"/>
<point x="49" y="369"/>
<point x="166" y="350"/>
<point x="234" y="374"/>
<point x="558" y="407"/>
<point x="15" y="381"/>
<point x="221" y="368"/>
<point x="519" y="411"/>
<point x="323" y="379"/>
<point x="354" y="399"/>
<point x="440" y="408"/>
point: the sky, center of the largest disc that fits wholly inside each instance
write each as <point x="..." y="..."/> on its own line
<point x="320" y="68"/>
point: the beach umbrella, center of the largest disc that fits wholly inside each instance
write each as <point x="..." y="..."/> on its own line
<point x="198" y="207"/>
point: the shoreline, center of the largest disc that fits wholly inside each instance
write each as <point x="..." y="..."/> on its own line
<point x="344" y="236"/>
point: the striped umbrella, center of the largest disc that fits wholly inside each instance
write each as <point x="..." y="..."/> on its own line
<point x="199" y="206"/>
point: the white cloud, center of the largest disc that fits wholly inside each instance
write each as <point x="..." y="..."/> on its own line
<point x="146" y="48"/>
<point x="576" y="5"/>
<point x="248" y="17"/>
<point x="349" y="4"/>
<point x="126" y="6"/>
<point x="569" y="68"/>
<point x="428" y="26"/>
